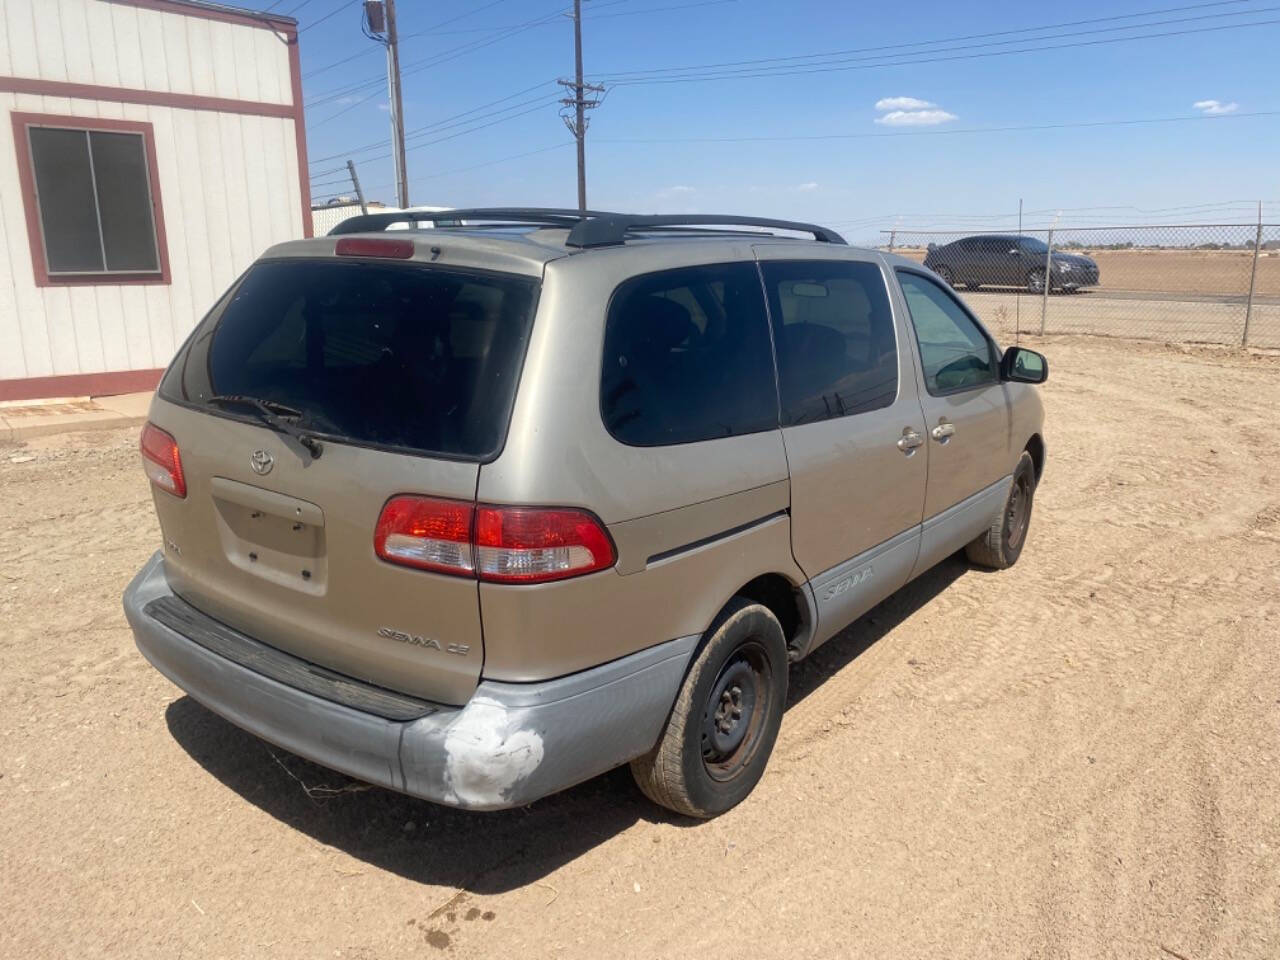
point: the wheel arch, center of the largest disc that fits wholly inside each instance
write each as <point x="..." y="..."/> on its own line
<point x="790" y="602"/>
<point x="1035" y="447"/>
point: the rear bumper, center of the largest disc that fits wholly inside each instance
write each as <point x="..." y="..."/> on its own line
<point x="509" y="745"/>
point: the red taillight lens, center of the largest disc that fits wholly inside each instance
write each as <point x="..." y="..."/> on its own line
<point x="534" y="545"/>
<point x="366" y="247"/>
<point x="161" y="460"/>
<point x="495" y="544"/>
<point x="426" y="533"/>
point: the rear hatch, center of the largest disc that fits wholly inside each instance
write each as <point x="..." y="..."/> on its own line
<point x="403" y="373"/>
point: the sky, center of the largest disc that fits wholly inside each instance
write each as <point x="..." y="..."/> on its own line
<point x="863" y="116"/>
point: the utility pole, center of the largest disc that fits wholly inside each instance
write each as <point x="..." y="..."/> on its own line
<point x="397" y="106"/>
<point x="577" y="122"/>
<point x="355" y="182"/>
<point x="380" y="19"/>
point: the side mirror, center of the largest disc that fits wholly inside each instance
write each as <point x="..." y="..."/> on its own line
<point x="1024" y="366"/>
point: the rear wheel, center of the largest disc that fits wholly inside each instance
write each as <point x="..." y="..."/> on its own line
<point x="973" y="285"/>
<point x="725" y="719"/>
<point x="1001" y="545"/>
<point x="945" y="275"/>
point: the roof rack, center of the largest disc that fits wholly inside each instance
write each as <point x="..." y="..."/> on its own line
<point x="587" y="228"/>
<point x="606" y="229"/>
<point x="507" y="216"/>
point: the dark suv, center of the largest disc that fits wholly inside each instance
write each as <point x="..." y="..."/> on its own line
<point x="998" y="260"/>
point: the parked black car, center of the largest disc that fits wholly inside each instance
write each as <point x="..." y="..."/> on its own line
<point x="999" y="260"/>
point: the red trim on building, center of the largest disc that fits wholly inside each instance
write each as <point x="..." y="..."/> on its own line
<point x="245" y="18"/>
<point x="155" y="98"/>
<point x="81" y="385"/>
<point x="27" y="181"/>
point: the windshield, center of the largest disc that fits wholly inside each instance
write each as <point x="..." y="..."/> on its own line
<point x="403" y="356"/>
<point x="1032" y="245"/>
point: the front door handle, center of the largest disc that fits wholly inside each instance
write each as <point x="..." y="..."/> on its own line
<point x="909" y="441"/>
<point x="943" y="432"/>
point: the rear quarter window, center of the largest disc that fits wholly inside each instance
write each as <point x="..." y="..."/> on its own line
<point x="687" y="357"/>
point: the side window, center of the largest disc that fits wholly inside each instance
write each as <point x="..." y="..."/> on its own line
<point x="955" y="353"/>
<point x="687" y="357"/>
<point x="833" y="332"/>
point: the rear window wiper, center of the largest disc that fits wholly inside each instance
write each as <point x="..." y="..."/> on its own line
<point x="278" y="416"/>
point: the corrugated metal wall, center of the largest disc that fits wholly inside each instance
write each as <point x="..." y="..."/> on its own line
<point x="228" y="182"/>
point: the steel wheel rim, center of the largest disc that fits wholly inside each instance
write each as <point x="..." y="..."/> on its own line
<point x="1017" y="512"/>
<point x="1036" y="281"/>
<point x="733" y="716"/>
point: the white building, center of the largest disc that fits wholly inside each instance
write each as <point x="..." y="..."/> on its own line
<point x="149" y="151"/>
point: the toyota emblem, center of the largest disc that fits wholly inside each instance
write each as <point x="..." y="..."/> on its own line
<point x="262" y="462"/>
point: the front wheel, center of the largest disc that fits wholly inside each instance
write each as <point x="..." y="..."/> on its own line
<point x="725" y="719"/>
<point x="1035" y="281"/>
<point x="1001" y="545"/>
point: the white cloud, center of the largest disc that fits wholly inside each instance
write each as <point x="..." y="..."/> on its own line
<point x="806" y="187"/>
<point x="915" y="118"/>
<point x="384" y="107"/>
<point x="903" y="103"/>
<point x="1216" y="106"/>
<point x="345" y="101"/>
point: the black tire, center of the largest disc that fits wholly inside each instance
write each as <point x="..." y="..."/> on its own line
<point x="973" y="285"/>
<point x="945" y="275"/>
<point x="726" y="717"/>
<point x="1001" y="545"/>
<point x="1035" y="280"/>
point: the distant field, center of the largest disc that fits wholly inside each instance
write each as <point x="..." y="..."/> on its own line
<point x="1175" y="271"/>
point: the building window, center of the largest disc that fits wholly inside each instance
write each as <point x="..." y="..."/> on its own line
<point x="92" y="197"/>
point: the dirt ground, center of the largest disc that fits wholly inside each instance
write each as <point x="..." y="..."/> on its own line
<point x="1079" y="757"/>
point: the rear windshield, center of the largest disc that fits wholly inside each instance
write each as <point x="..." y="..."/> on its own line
<point x="403" y="356"/>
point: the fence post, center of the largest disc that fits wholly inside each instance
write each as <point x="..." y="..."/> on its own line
<point x="1253" y="283"/>
<point x="1048" y="281"/>
<point x="892" y="236"/>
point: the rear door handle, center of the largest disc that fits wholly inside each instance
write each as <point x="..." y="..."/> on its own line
<point x="943" y="431"/>
<point x="909" y="441"/>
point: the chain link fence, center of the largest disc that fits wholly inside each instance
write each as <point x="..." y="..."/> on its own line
<point x="1180" y="284"/>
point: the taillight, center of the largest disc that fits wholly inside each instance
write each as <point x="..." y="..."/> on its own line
<point x="426" y="533"/>
<point x="161" y="460"/>
<point x="533" y="545"/>
<point x="495" y="544"/>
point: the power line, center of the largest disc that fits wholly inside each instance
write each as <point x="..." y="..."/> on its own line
<point x="507" y="31"/>
<point x="926" y="43"/>
<point x="798" y="70"/>
<point x="476" y="166"/>
<point x="942" y="133"/>
<point x="407" y="36"/>
<point x="463" y="133"/>
<point x="418" y="66"/>
<point x="430" y="126"/>
<point x="333" y="13"/>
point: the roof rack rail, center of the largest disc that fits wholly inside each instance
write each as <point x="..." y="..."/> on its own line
<point x="512" y="216"/>
<point x="587" y="228"/>
<point x="607" y="229"/>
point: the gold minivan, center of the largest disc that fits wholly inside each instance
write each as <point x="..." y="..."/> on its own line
<point x="481" y="508"/>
